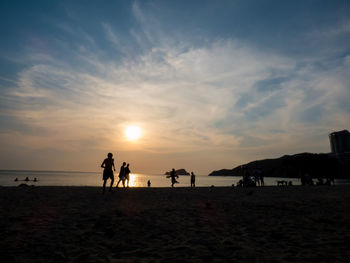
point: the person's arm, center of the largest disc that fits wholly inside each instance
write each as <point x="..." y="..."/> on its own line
<point x="103" y="164"/>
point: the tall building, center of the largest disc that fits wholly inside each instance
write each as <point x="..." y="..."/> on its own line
<point x="340" y="142"/>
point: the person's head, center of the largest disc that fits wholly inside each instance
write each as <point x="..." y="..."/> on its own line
<point x="173" y="169"/>
<point x="109" y="155"/>
<point x="124" y="163"/>
<point x="192" y="173"/>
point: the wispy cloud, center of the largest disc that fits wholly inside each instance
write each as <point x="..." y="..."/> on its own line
<point x="225" y="100"/>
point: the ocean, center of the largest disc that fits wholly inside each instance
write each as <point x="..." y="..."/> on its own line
<point x="69" y="178"/>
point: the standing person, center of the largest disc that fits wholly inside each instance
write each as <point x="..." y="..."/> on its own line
<point x="122" y="175"/>
<point x="256" y="176"/>
<point x="108" y="164"/>
<point x="173" y="177"/>
<point x="149" y="183"/>
<point x="127" y="172"/>
<point x="262" y="183"/>
<point x="193" y="180"/>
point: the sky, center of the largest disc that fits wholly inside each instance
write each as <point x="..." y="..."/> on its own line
<point x="211" y="84"/>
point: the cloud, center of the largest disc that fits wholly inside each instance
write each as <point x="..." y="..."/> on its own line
<point x="223" y="98"/>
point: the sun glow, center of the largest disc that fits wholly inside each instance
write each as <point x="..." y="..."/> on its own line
<point x="133" y="133"/>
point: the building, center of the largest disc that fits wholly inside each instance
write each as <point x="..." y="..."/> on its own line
<point x="340" y="143"/>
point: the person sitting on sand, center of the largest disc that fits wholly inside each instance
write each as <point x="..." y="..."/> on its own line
<point x="122" y="175"/>
<point x="173" y="177"/>
<point x="127" y="172"/>
<point x="193" y="180"/>
<point x="108" y="164"/>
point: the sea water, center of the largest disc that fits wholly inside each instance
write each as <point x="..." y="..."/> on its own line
<point x="69" y="178"/>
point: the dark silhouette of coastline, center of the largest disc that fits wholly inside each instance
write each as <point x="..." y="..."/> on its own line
<point x="320" y="165"/>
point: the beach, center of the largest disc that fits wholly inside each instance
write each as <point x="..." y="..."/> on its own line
<point x="220" y="224"/>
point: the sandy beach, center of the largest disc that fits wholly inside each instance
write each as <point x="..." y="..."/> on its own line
<point x="268" y="224"/>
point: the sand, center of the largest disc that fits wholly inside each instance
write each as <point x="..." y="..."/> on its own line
<point x="267" y="224"/>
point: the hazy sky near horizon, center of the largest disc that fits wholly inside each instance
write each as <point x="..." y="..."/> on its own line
<point x="211" y="84"/>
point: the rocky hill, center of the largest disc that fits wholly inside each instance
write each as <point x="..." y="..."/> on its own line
<point x="291" y="166"/>
<point x="179" y="172"/>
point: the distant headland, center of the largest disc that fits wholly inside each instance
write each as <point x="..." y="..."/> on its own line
<point x="336" y="163"/>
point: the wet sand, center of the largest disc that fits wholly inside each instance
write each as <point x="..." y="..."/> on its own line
<point x="269" y="224"/>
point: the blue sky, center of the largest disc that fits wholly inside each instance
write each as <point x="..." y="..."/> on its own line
<point x="212" y="84"/>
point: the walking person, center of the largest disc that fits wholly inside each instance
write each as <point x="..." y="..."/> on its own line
<point x="108" y="165"/>
<point x="122" y="175"/>
<point x="193" y="180"/>
<point x="173" y="177"/>
<point x="127" y="172"/>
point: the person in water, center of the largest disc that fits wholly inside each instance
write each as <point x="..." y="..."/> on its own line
<point x="122" y="175"/>
<point x="127" y="173"/>
<point x="108" y="165"/>
<point x="193" y="180"/>
<point x="173" y="177"/>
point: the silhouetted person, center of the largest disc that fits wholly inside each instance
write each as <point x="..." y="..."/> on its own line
<point x="262" y="178"/>
<point x="149" y="183"/>
<point x="173" y="177"/>
<point x="35" y="180"/>
<point x="27" y="179"/>
<point x="193" y="180"/>
<point x="122" y="175"/>
<point x="108" y="165"/>
<point x="16" y="180"/>
<point x="256" y="177"/>
<point x="127" y="173"/>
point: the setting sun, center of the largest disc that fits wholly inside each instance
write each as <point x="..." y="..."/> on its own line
<point x="133" y="132"/>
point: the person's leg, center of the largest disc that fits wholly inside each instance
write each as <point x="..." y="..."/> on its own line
<point x="118" y="182"/>
<point x="104" y="186"/>
<point x="112" y="181"/>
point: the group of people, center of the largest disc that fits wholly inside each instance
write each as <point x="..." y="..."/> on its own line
<point x="109" y="167"/>
<point x="254" y="178"/>
<point x="124" y="174"/>
<point x="174" y="176"/>
<point x="26" y="180"/>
